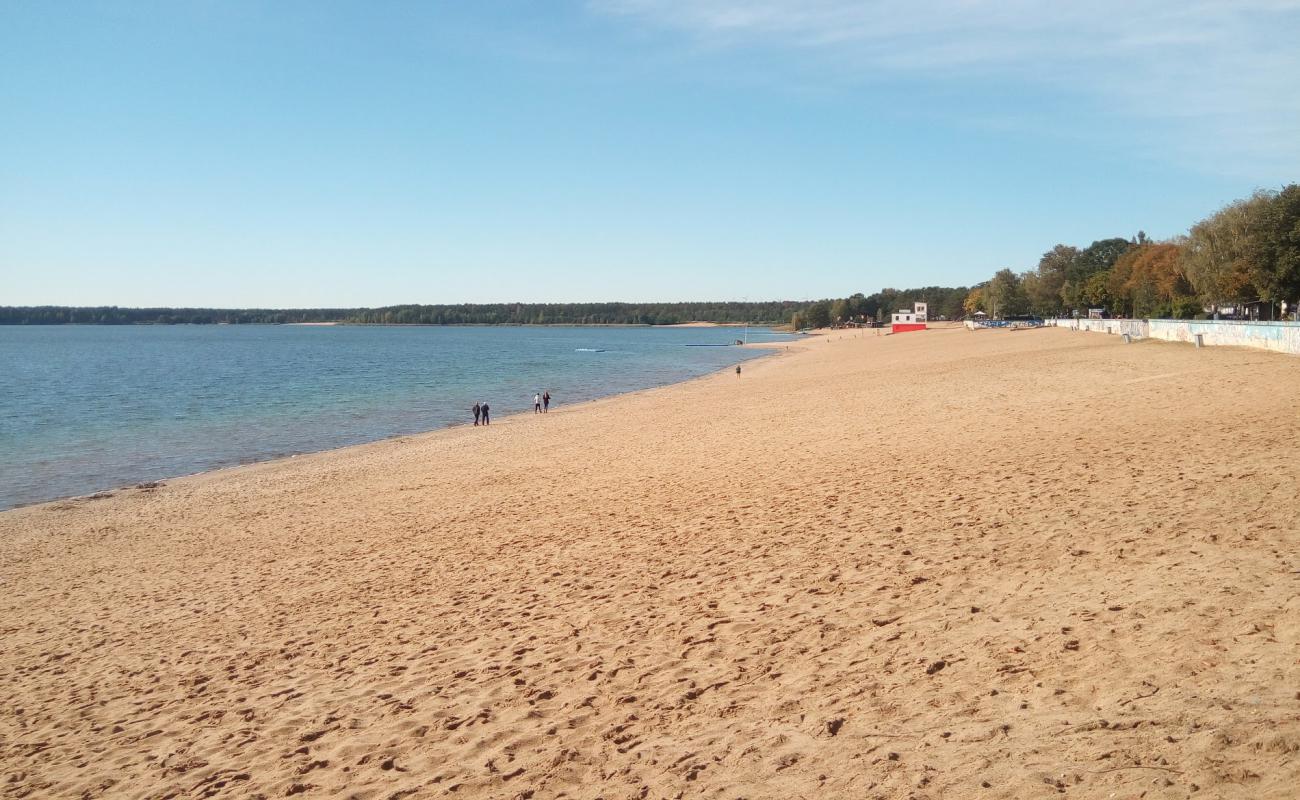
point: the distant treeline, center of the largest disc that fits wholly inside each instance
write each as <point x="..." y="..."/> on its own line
<point x="1245" y="257"/>
<point x="944" y="301"/>
<point x="762" y="313"/>
<point x="112" y="315"/>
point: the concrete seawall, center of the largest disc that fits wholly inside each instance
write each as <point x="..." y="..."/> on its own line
<point x="1137" y="328"/>
<point x="1280" y="337"/>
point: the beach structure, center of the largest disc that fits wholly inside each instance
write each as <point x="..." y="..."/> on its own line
<point x="905" y="321"/>
<point x="1011" y="322"/>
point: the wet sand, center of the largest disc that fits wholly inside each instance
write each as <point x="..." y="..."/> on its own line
<point x="941" y="564"/>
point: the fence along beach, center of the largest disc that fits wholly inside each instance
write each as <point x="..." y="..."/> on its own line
<point x="944" y="564"/>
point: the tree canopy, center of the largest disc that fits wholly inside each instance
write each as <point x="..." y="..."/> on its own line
<point x="1248" y="252"/>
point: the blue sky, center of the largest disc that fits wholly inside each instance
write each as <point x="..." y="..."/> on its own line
<point x="229" y="153"/>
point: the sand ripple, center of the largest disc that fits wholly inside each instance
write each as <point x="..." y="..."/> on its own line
<point x="948" y="564"/>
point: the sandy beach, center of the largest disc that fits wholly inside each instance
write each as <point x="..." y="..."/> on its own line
<point x="946" y="564"/>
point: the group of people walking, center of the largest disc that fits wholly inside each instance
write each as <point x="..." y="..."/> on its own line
<point x="541" y="405"/>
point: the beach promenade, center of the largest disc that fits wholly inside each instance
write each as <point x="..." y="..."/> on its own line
<point x="947" y="564"/>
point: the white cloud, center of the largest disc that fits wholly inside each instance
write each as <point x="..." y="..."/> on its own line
<point x="1207" y="81"/>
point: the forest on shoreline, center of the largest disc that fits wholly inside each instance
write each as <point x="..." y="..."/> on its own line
<point x="1243" y="260"/>
<point x="740" y="313"/>
<point x="1244" y="257"/>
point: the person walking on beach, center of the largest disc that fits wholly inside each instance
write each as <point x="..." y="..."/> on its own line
<point x="478" y="410"/>
<point x="484" y="408"/>
<point x="537" y="403"/>
<point x="546" y="401"/>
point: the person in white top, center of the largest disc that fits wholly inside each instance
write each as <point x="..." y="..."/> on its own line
<point x="537" y="403"/>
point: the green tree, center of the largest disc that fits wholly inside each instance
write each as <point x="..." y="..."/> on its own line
<point x="1044" y="292"/>
<point x="1096" y="290"/>
<point x="857" y="306"/>
<point x="1274" y="247"/>
<point x="1031" y="286"/>
<point x="1216" y="258"/>
<point x="818" y="315"/>
<point x="887" y="303"/>
<point x="1005" y="294"/>
<point x="1099" y="256"/>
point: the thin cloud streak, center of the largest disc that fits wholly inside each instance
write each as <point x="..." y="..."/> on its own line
<point x="1213" y="84"/>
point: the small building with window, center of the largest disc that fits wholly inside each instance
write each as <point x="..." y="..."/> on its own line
<point x="915" y="320"/>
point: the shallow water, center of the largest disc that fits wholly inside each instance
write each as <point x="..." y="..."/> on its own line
<point x="85" y="408"/>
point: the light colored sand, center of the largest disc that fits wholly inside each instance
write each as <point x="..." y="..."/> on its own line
<point x="903" y="566"/>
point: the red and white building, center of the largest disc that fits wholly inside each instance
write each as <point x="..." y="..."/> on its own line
<point x="914" y="320"/>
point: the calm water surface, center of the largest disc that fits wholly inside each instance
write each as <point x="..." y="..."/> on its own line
<point x="85" y="408"/>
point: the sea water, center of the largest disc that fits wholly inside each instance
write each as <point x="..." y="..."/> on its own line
<point x="86" y="408"/>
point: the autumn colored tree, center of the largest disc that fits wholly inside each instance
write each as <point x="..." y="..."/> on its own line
<point x="1122" y="284"/>
<point x="1162" y="268"/>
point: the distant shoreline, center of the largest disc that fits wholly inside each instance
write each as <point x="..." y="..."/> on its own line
<point x="427" y="413"/>
<point x="511" y="324"/>
<point x="772" y="325"/>
<point x="694" y="314"/>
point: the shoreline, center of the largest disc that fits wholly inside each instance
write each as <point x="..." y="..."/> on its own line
<point x="288" y="457"/>
<point x="772" y="325"/>
<point x="925" y="564"/>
